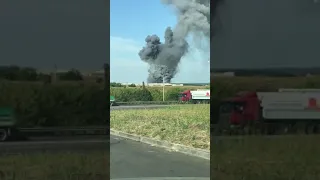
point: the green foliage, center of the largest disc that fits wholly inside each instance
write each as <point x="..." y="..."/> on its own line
<point x="123" y="94"/>
<point x="223" y="87"/>
<point x="114" y="84"/>
<point x="61" y="104"/>
<point x="15" y="73"/>
<point x="131" y="85"/>
<point x="130" y="94"/>
<point x="71" y="75"/>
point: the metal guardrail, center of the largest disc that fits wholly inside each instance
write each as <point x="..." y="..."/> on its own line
<point x="63" y="128"/>
<point x="56" y="131"/>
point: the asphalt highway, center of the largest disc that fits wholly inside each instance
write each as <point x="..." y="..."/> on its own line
<point x="56" y="144"/>
<point x="130" y="159"/>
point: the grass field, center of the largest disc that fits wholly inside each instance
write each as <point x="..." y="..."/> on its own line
<point x="188" y="124"/>
<point x="265" y="158"/>
<point x="46" y="166"/>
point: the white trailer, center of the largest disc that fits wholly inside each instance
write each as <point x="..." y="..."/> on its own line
<point x="201" y="96"/>
<point x="291" y="105"/>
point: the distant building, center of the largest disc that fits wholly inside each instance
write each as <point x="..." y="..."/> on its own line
<point x="227" y="74"/>
<point x="161" y="84"/>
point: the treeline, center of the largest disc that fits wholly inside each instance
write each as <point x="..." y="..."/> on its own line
<point x="16" y="73"/>
<point x="224" y="87"/>
<point x="53" y="104"/>
<point x="271" y="72"/>
<point x="57" y="104"/>
<point x="115" y="84"/>
<point x="143" y="93"/>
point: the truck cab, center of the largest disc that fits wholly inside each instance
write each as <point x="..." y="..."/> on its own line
<point x="242" y="108"/>
<point x="185" y="96"/>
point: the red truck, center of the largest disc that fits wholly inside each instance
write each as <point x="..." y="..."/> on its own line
<point x="288" y="110"/>
<point x="197" y="96"/>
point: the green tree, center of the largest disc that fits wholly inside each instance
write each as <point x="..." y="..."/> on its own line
<point x="72" y="75"/>
<point x="114" y="84"/>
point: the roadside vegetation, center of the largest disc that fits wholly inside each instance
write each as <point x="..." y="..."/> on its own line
<point x="290" y="157"/>
<point x="264" y="158"/>
<point x="145" y="93"/>
<point x="188" y="124"/>
<point x="53" y="166"/>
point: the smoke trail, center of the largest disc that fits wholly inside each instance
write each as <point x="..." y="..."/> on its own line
<point x="163" y="58"/>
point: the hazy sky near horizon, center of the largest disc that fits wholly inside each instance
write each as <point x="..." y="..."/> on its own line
<point x="267" y="33"/>
<point x="131" y="22"/>
<point x="68" y="33"/>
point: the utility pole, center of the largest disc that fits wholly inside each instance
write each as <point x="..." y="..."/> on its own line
<point x="163" y="80"/>
<point x="162" y="88"/>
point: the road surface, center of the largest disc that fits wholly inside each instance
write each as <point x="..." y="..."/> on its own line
<point x="56" y="144"/>
<point x="130" y="159"/>
<point x="138" y="107"/>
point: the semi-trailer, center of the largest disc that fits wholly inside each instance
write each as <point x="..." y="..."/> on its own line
<point x="284" y="111"/>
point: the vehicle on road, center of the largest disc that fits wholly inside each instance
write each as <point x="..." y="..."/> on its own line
<point x="197" y="96"/>
<point x="112" y="100"/>
<point x="287" y="111"/>
<point x="8" y="122"/>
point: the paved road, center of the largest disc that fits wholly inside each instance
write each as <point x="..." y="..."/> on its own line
<point x="130" y="159"/>
<point x="138" y="107"/>
<point x="56" y="144"/>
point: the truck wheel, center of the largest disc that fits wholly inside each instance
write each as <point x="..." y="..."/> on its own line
<point x="3" y="135"/>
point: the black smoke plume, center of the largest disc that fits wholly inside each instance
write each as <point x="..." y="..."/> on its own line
<point x="164" y="58"/>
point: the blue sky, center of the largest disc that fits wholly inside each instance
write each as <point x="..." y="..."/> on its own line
<point x="130" y="23"/>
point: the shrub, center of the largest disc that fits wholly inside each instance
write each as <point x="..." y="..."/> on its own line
<point x="65" y="104"/>
<point x="228" y="86"/>
<point x="130" y="94"/>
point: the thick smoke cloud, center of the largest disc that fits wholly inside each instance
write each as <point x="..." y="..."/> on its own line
<point x="193" y="17"/>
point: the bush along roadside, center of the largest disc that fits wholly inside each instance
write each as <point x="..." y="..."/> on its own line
<point x="135" y="94"/>
<point x="47" y="105"/>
